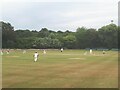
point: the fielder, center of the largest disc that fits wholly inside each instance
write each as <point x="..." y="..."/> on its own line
<point x="61" y="49"/>
<point x="24" y="51"/>
<point x="103" y="52"/>
<point x="7" y="51"/>
<point x="85" y="53"/>
<point x="1" y="52"/>
<point x="36" y="56"/>
<point x="44" y="52"/>
<point x="90" y="51"/>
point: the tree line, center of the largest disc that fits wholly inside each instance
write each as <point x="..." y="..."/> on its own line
<point x="104" y="37"/>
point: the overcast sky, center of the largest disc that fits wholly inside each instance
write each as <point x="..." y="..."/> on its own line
<point x="59" y="15"/>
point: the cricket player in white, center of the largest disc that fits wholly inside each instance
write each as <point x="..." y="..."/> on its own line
<point x="1" y="52"/>
<point x="44" y="52"/>
<point x="90" y="51"/>
<point x="103" y="52"/>
<point x="85" y="53"/>
<point x="24" y="51"/>
<point x="7" y="51"/>
<point x="61" y="49"/>
<point x="36" y="56"/>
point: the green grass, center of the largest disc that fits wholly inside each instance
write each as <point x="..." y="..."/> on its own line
<point x="69" y="69"/>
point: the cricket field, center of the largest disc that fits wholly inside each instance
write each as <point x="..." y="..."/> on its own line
<point x="55" y="69"/>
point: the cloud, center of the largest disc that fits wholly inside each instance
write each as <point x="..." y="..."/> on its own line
<point x="59" y="15"/>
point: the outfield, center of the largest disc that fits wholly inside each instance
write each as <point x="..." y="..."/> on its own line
<point x="69" y="69"/>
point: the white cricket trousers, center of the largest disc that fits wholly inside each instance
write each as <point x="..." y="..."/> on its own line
<point x="35" y="59"/>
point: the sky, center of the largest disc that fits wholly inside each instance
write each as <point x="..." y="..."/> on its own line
<point x="58" y="14"/>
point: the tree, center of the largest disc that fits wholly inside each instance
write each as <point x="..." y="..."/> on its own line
<point x="43" y="33"/>
<point x="108" y="36"/>
<point x="52" y="36"/>
<point x="25" y="42"/>
<point x="105" y="37"/>
<point x="23" y="33"/>
<point x="69" y="41"/>
<point x="92" y="39"/>
<point x="81" y="37"/>
<point x="8" y="35"/>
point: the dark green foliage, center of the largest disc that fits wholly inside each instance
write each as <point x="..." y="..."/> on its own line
<point x="8" y="35"/>
<point x="105" y="37"/>
<point x="43" y="33"/>
<point x="109" y="36"/>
